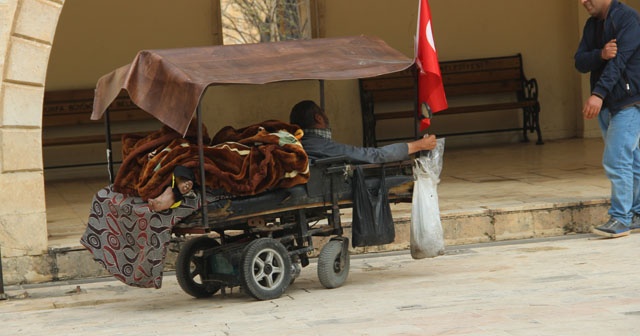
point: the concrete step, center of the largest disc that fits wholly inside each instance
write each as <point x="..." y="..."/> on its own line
<point x="490" y="223"/>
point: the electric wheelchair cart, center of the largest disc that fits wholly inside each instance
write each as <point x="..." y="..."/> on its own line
<point x="261" y="242"/>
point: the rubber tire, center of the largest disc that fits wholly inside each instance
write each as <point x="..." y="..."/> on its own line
<point x="270" y="254"/>
<point x="329" y="272"/>
<point x="189" y="266"/>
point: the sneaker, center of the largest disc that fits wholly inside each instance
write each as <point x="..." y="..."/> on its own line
<point x="635" y="223"/>
<point x="612" y="229"/>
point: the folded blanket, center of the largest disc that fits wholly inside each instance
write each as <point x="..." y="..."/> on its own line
<point x="242" y="162"/>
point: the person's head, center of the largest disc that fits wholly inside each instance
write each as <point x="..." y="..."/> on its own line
<point x="596" y="8"/>
<point x="307" y="114"/>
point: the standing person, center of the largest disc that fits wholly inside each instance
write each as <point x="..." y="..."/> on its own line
<point x="318" y="144"/>
<point x="609" y="51"/>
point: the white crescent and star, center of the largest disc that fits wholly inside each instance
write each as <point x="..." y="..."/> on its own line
<point x="429" y="35"/>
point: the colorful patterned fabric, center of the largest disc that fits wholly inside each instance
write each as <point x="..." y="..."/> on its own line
<point x="129" y="239"/>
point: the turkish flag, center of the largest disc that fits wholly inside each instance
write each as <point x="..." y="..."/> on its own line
<point x="431" y="96"/>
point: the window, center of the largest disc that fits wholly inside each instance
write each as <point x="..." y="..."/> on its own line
<point x="254" y="21"/>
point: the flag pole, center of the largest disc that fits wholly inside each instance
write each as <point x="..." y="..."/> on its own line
<point x="431" y="95"/>
<point x="416" y="72"/>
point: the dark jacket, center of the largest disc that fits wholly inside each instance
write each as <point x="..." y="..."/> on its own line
<point x="617" y="81"/>
<point x="318" y="147"/>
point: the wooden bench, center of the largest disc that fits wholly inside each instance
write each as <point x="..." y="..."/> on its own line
<point x="66" y="120"/>
<point x="483" y="77"/>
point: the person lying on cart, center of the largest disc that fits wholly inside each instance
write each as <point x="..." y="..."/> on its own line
<point x="318" y="144"/>
<point x="182" y="184"/>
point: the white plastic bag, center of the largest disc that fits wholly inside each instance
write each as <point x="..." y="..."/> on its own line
<point x="427" y="238"/>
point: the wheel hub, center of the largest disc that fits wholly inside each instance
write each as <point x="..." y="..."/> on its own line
<point x="337" y="264"/>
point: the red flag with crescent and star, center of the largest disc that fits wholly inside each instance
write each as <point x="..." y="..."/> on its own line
<point x="431" y="95"/>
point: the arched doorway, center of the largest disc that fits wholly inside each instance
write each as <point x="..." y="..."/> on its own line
<point x="24" y="49"/>
<point x="91" y="39"/>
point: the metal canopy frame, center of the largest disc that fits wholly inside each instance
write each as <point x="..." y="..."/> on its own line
<point x="169" y="84"/>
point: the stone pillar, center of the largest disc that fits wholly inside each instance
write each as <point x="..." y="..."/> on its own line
<point x="27" y="28"/>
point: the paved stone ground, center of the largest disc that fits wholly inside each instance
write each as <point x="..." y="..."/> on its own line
<point x="581" y="285"/>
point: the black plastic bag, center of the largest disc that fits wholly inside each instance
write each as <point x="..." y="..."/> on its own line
<point x="372" y="220"/>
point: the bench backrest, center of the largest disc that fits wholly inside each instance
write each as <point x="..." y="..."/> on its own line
<point x="460" y="78"/>
<point x="483" y="76"/>
<point x="66" y="121"/>
<point x="391" y="87"/>
<point x="73" y="107"/>
<point x="394" y="96"/>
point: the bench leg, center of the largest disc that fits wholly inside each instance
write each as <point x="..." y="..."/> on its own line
<point x="526" y="121"/>
<point x="525" y="137"/>
<point x="531" y="123"/>
<point x="536" y="123"/>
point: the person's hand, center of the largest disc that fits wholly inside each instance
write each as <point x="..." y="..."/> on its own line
<point x="428" y="142"/>
<point x="592" y="107"/>
<point x="610" y="50"/>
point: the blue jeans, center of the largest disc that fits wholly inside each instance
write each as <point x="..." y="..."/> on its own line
<point x="621" y="160"/>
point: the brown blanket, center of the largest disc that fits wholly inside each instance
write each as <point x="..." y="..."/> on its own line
<point x="242" y="162"/>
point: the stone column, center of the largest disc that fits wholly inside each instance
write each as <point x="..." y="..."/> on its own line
<point x="27" y="28"/>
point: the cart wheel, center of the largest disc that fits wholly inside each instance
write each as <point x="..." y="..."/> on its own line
<point x="330" y="271"/>
<point x="190" y="267"/>
<point x="266" y="269"/>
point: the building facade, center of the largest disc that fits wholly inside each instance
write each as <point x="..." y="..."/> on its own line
<point x="49" y="45"/>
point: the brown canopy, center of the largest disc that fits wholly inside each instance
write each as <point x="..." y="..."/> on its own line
<point x="169" y="83"/>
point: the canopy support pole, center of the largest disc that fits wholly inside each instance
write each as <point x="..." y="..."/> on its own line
<point x="107" y="126"/>
<point x="203" y="187"/>
<point x="322" y="94"/>
<point x="416" y="104"/>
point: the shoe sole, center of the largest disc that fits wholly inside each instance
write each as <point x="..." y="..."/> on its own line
<point x="634" y="230"/>
<point x="611" y="235"/>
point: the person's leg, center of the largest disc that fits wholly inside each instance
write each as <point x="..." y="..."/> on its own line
<point x="636" y="181"/>
<point x="612" y="228"/>
<point x="621" y="133"/>
<point x="604" y="117"/>
<point x="635" y="222"/>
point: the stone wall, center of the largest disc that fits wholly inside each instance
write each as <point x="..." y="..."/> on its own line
<point x="27" y="28"/>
